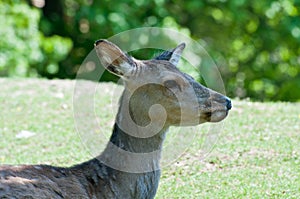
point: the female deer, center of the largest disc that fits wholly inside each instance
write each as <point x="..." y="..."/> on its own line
<point x="156" y="96"/>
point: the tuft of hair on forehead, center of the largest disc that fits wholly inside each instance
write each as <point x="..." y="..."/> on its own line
<point x="172" y="55"/>
<point x="165" y="55"/>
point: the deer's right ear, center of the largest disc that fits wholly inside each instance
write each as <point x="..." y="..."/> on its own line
<point x="114" y="59"/>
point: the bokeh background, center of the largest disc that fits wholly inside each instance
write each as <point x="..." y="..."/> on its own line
<point x="256" y="44"/>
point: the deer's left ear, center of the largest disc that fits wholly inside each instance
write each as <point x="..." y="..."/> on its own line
<point x="172" y="55"/>
<point x="114" y="59"/>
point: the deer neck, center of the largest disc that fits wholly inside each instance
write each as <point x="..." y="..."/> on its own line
<point x="134" y="131"/>
<point x="134" y="146"/>
<point x="131" y="157"/>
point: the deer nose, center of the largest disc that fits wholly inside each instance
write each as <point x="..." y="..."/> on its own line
<point x="228" y="103"/>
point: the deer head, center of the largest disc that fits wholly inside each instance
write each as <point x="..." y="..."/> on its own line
<point x="159" y="82"/>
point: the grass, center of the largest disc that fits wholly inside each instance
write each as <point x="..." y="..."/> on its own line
<point x="257" y="154"/>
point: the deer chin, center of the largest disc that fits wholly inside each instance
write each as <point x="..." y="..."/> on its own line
<point x="214" y="116"/>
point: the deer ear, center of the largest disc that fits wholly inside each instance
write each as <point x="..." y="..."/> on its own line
<point x="114" y="59"/>
<point x="172" y="55"/>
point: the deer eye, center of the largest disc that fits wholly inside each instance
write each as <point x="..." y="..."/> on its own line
<point x="171" y="84"/>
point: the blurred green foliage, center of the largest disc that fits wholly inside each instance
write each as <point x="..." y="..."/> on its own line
<point x="256" y="44"/>
<point x="25" y="51"/>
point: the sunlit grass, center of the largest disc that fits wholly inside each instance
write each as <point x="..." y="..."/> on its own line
<point x="257" y="154"/>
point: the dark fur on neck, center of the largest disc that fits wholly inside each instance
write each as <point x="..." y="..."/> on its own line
<point x="134" y="144"/>
<point x="101" y="180"/>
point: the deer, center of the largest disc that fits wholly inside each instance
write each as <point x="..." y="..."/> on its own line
<point x="157" y="95"/>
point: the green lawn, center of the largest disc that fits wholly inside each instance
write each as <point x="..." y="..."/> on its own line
<point x="257" y="154"/>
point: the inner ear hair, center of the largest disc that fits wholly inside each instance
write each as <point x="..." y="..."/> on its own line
<point x="114" y="59"/>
